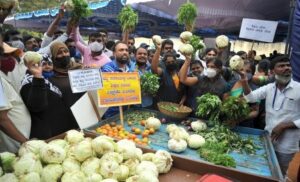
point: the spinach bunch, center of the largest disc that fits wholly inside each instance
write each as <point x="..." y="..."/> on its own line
<point x="150" y="83"/>
<point x="81" y="9"/>
<point x="209" y="108"/>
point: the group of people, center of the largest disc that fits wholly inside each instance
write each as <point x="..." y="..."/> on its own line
<point x="35" y="93"/>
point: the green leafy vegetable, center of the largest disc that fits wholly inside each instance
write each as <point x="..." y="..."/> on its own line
<point x="128" y="19"/>
<point x="137" y="116"/>
<point x="170" y="108"/>
<point x="234" y="109"/>
<point x="209" y="108"/>
<point x="187" y="15"/>
<point x="81" y="9"/>
<point x="197" y="43"/>
<point x="150" y="83"/>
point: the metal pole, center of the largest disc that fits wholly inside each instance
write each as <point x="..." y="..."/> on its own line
<point x="290" y="27"/>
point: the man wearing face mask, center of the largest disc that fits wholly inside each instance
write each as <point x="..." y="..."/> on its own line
<point x="121" y="63"/>
<point x="15" y="122"/>
<point x="93" y="55"/>
<point x="282" y="109"/>
<point x="49" y="100"/>
<point x="212" y="82"/>
<point x="170" y="90"/>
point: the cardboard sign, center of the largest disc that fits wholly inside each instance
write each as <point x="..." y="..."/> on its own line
<point x="85" y="80"/>
<point x="259" y="30"/>
<point x="120" y="89"/>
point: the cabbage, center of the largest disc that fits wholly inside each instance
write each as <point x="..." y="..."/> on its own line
<point x="195" y="141"/>
<point x="7" y="161"/>
<point x="103" y="144"/>
<point x="82" y="150"/>
<point x="33" y="146"/>
<point x="177" y="145"/>
<point x="110" y="169"/>
<point x="147" y="177"/>
<point x="90" y="166"/>
<point x="124" y="173"/>
<point x="147" y="157"/>
<point x="153" y="122"/>
<point x="74" y="136"/>
<point x="9" y="177"/>
<point x="236" y="63"/>
<point x="26" y="164"/>
<point x="147" y="166"/>
<point x="52" y="154"/>
<point x="163" y="161"/>
<point x="179" y="133"/>
<point x="32" y="57"/>
<point x="30" y="177"/>
<point x="70" y="165"/>
<point x="59" y="142"/>
<point x="126" y="148"/>
<point x="112" y="156"/>
<point x="95" y="177"/>
<point x="132" y="164"/>
<point x="52" y="172"/>
<point x="138" y="153"/>
<point x="75" y="176"/>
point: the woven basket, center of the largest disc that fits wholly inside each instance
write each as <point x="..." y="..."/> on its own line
<point x="182" y="112"/>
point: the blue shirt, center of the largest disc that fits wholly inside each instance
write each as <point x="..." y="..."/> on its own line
<point x="113" y="67"/>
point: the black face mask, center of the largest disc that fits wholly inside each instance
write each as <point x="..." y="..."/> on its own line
<point x="141" y="63"/>
<point x="62" y="62"/>
<point x="171" y="67"/>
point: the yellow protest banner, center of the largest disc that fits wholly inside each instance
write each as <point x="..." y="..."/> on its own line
<point x="120" y="89"/>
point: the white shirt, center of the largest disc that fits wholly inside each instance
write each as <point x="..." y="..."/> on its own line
<point x="281" y="106"/>
<point x="17" y="75"/>
<point x="18" y="114"/>
<point x="46" y="48"/>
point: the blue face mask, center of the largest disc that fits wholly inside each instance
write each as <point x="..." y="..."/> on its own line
<point x="48" y="74"/>
<point x="36" y="49"/>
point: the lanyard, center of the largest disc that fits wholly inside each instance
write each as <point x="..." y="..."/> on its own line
<point x="274" y="97"/>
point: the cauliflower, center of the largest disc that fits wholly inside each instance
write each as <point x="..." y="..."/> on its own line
<point x="236" y="63"/>
<point x="186" y="49"/>
<point x="222" y="41"/>
<point x="185" y="36"/>
<point x="156" y="39"/>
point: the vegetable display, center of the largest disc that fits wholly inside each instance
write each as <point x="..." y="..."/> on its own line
<point x="233" y="110"/>
<point x="99" y="159"/>
<point x="137" y="116"/>
<point x="128" y="19"/>
<point x="149" y="83"/>
<point x="209" y="108"/>
<point x="186" y="15"/>
<point x="78" y="8"/>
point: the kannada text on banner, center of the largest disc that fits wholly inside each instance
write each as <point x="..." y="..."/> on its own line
<point x="120" y="89"/>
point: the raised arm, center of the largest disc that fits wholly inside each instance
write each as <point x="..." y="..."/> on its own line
<point x="189" y="81"/>
<point x="155" y="61"/>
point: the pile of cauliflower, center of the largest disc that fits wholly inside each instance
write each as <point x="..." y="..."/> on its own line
<point x="80" y="159"/>
<point x="180" y="138"/>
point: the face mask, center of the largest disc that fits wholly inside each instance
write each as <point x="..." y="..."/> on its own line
<point x="48" y="74"/>
<point x="249" y="76"/>
<point x="171" y="67"/>
<point x="62" y="62"/>
<point x="72" y="51"/>
<point x="141" y="63"/>
<point x="8" y="64"/>
<point x="36" y="49"/>
<point x="18" y="44"/>
<point x="211" y="73"/>
<point x="283" y="79"/>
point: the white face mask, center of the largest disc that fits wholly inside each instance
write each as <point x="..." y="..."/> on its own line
<point x="282" y="79"/>
<point x="210" y="72"/>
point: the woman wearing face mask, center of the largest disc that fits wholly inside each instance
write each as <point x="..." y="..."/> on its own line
<point x="212" y="82"/>
<point x="170" y="90"/>
<point x="49" y="100"/>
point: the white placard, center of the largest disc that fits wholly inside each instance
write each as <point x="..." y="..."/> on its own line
<point x="85" y="80"/>
<point x="259" y="30"/>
